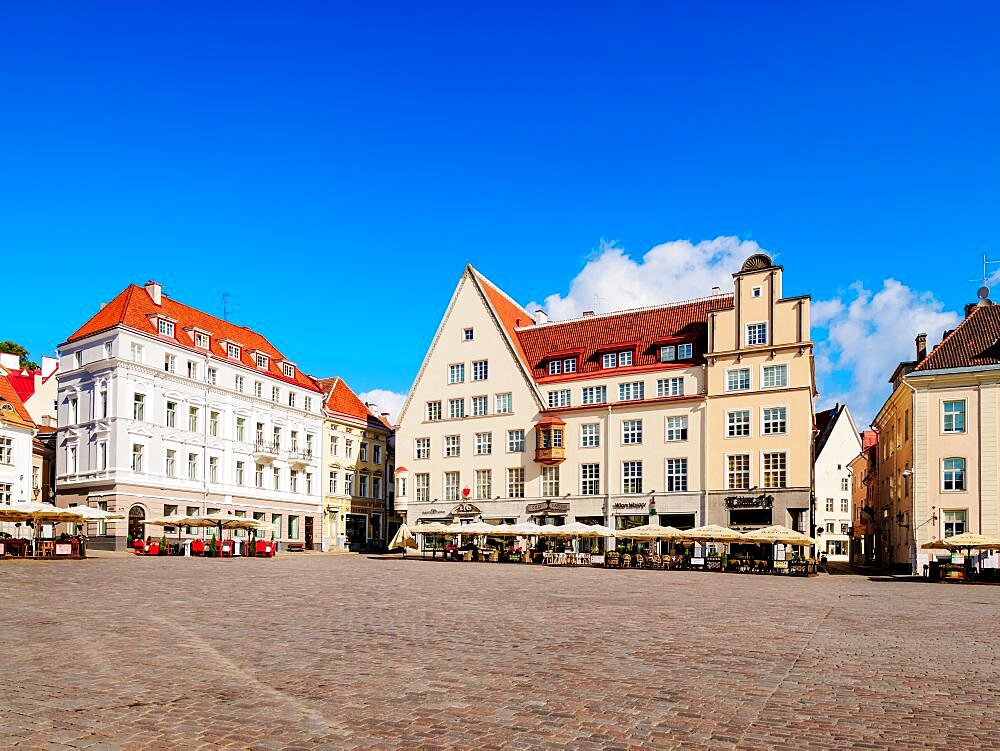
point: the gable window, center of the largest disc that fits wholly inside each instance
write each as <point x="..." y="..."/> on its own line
<point x="433" y="411"/>
<point x="480" y="406"/>
<point x="609" y="360"/>
<point x="616" y="359"/>
<point x="201" y="340"/>
<point x="233" y="351"/>
<point x="756" y="334"/>
<point x="677" y="428"/>
<point x="775" y="376"/>
<point x="631" y="432"/>
<point x="555" y="367"/>
<point x="670" y="387"/>
<point x="953" y="471"/>
<point x="166" y="328"/>
<point x="738" y="423"/>
<point x="422" y="448"/>
<point x="468" y="334"/>
<point x="288" y="370"/>
<point x="624" y="358"/>
<point x="738" y="379"/>
<point x="630" y="391"/>
<point x="504" y="404"/>
<point x="775" y="421"/>
<point x="515" y="441"/>
<point x="456" y="408"/>
<point x="456" y="373"/>
<point x="953" y="418"/>
<point x="595" y="394"/>
<point x="755" y="292"/>
<point x="560" y="398"/>
<point x="261" y="361"/>
<point x="480" y="370"/>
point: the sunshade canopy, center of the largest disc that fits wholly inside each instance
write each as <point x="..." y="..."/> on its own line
<point x="650" y="532"/>
<point x="710" y="533"/>
<point x="776" y="534"/>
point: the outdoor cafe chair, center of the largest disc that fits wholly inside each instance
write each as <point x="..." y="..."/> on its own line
<point x="198" y="547"/>
<point x="139" y="547"/>
<point x="627" y="560"/>
<point x="154" y="548"/>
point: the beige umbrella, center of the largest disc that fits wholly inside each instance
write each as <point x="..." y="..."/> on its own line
<point x="403" y="539"/>
<point x="91" y="514"/>
<point x="650" y="532"/>
<point x="778" y="534"/>
<point x="37" y="513"/>
<point x="710" y="533"/>
<point x="431" y="528"/>
<point x="971" y="541"/>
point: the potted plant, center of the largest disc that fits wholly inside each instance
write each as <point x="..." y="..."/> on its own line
<point x="163" y="545"/>
<point x="213" y="549"/>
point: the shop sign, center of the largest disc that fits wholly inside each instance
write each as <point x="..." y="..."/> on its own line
<point x="466" y="509"/>
<point x="749" y="501"/>
<point x="629" y="505"/>
<point x="555" y="507"/>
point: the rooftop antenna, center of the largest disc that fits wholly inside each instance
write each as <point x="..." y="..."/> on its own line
<point x="226" y="304"/>
<point x="986" y="272"/>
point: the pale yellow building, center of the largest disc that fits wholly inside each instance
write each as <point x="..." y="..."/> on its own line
<point x="356" y="471"/>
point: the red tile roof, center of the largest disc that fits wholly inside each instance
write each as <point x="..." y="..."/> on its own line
<point x="342" y="400"/>
<point x="23" y="382"/>
<point x="976" y="341"/>
<point x="686" y="321"/>
<point x="12" y="409"/>
<point x="511" y="314"/>
<point x="134" y="308"/>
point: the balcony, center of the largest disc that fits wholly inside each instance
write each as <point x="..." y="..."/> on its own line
<point x="549" y="444"/>
<point x="264" y="453"/>
<point x="299" y="459"/>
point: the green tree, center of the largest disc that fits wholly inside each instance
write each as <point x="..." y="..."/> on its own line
<point x="16" y="349"/>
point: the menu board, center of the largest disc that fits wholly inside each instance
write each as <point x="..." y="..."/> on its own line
<point x="64" y="548"/>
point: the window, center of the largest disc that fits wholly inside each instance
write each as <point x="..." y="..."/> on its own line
<point x="377" y="487"/>
<point x="166" y="328"/>
<point x="192" y="369"/>
<point x="136" y="352"/>
<point x="348" y="483"/>
<point x="844" y="484"/>
<point x="401" y="487"/>
<point x="829" y="505"/>
<point x="632" y="477"/>
<point x="307" y="403"/>
<point x="102" y="403"/>
<point x="213" y="469"/>
<point x="74" y="412"/>
<point x="504" y="404"/>
<point x="844" y="505"/>
<point x="334" y="441"/>
<point x="102" y="455"/>
<point x="484" y="443"/>
<point x="451" y="482"/>
<point x="685" y="351"/>
<point x="363" y="452"/>
<point x="258" y="475"/>
<point x="515" y="441"/>
<point x="170" y="363"/>
<point x="550" y="481"/>
<point x="484" y="483"/>
<point x="468" y="335"/>
<point x="775" y="422"/>
<point x="560" y="398"/>
<point x="293" y="481"/>
<point x="233" y="351"/>
<point x="775" y="471"/>
<point x="739" y="471"/>
<point x="275" y="394"/>
<point x="71" y="459"/>
<point x="677" y="475"/>
<point x="171" y="414"/>
<point x="422" y="448"/>
<point x="139" y="407"/>
<point x="480" y="370"/>
<point x="631" y="432"/>
<point x="829" y="528"/>
<point x="755" y="292"/>
<point x="433" y="411"/>
<point x="515" y="482"/>
<point x="668" y="353"/>
<point x="261" y="361"/>
<point x="456" y="408"/>
<point x="629" y="391"/>
<point x="376" y="453"/>
<point x="953" y="419"/>
<point x="138" y="451"/>
<point x="775" y="376"/>
<point x="213" y="423"/>
<point x="456" y="373"/>
<point x="756" y="334"/>
<point x="213" y="376"/>
<point x="609" y="360"/>
<point x="240" y="474"/>
<point x="193" y="419"/>
<point x="192" y="466"/>
<point x="590" y="479"/>
<point x="291" y="398"/>
<point x="738" y="423"/>
<point x="201" y="340"/>
<point x="241" y="429"/>
<point x="276" y="438"/>
<point x="293" y="527"/>
<point x="624" y="358"/>
<point x="595" y="394"/>
<point x="954" y="474"/>
<point x="332" y="481"/>
<point x="288" y="370"/>
<point x="238" y="383"/>
<point x="738" y="379"/>
<point x="480" y="406"/>
<point x="171" y="463"/>
<point x="670" y="387"/>
<point x="677" y="428"/>
<point x="422" y="487"/>
<point x="562" y="366"/>
<point x="555" y="367"/>
<point x="954" y="522"/>
<point x="258" y="389"/>
<point x="108" y="353"/>
<point x="276" y="476"/>
<point x="348" y="448"/>
<point x="452" y="445"/>
<point x="590" y="435"/>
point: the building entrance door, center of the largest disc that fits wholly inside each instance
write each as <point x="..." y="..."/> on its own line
<point x="137" y="523"/>
<point x="357" y="531"/>
<point x="309" y="533"/>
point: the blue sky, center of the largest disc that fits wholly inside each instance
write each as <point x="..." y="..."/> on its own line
<point x="334" y="166"/>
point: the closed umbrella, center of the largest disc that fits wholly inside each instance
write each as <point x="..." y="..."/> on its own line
<point x="403" y="539"/>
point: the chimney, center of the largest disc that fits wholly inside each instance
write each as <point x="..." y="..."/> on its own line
<point x="588" y="314"/>
<point x="716" y="290"/>
<point x="541" y="316"/>
<point x="969" y="307"/>
<point x="155" y="291"/>
<point x="10" y="361"/>
<point x="49" y="365"/>
<point x="921" y="347"/>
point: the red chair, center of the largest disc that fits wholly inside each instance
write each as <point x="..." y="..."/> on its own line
<point x="224" y="548"/>
<point x="198" y="547"/>
<point x="139" y="547"/>
<point x="260" y="548"/>
<point x="154" y="548"/>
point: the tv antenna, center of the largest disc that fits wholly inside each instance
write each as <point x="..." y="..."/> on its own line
<point x="986" y="272"/>
<point x="226" y="305"/>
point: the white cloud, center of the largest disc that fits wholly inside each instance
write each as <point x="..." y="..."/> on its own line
<point x="866" y="336"/>
<point x="676" y="270"/>
<point x="385" y="401"/>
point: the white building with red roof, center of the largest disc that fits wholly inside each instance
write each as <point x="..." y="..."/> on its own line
<point x="698" y="412"/>
<point x="17" y="431"/>
<point x="164" y="409"/>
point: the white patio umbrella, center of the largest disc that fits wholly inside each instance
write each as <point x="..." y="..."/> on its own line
<point x="37" y="513"/>
<point x="403" y="539"/>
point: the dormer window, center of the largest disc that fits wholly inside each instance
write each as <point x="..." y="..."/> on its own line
<point x="262" y="361"/>
<point x="668" y="353"/>
<point x="165" y="327"/>
<point x="616" y="359"/>
<point x="233" y="351"/>
<point x="685" y="351"/>
<point x="201" y="340"/>
<point x="672" y="352"/>
<point x="567" y="365"/>
<point x="288" y="369"/>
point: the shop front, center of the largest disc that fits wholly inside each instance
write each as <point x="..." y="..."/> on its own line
<point x="749" y="511"/>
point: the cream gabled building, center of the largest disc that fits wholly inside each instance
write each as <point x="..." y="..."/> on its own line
<point x="698" y="412"/>
<point x="356" y="471"/>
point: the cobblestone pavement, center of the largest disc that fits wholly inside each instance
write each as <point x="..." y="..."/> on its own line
<point x="311" y="651"/>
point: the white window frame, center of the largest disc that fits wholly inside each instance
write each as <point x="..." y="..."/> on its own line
<point x="480" y="406"/>
<point x="746" y="426"/>
<point x="480" y="370"/>
<point x="560" y="398"/>
<point x="679" y="478"/>
<point x="595" y="391"/>
<point x="764" y="421"/>
<point x="434" y="414"/>
<point x="668" y="353"/>
<point x="758" y="326"/>
<point x="452" y="446"/>
<point x="590" y="439"/>
<point x="672" y="386"/>
<point x="964" y="413"/>
<point x="685" y="351"/>
<point x="783" y="470"/>
<point x="633" y="477"/>
<point x="422" y="448"/>
<point x="667" y="428"/>
<point x="456" y="373"/>
<point x="233" y="351"/>
<point x="504" y="403"/>
<point x="749" y="387"/>
<point x="590" y="478"/>
<point x="627" y="391"/>
<point x="631" y="432"/>
<point x="964" y="471"/>
<point x="165" y="327"/>
<point x="775" y="365"/>
<point x="748" y="471"/>
<point x="515" y="439"/>
<point x="484" y="443"/>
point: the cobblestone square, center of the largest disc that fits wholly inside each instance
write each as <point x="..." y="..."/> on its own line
<point x="345" y="652"/>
